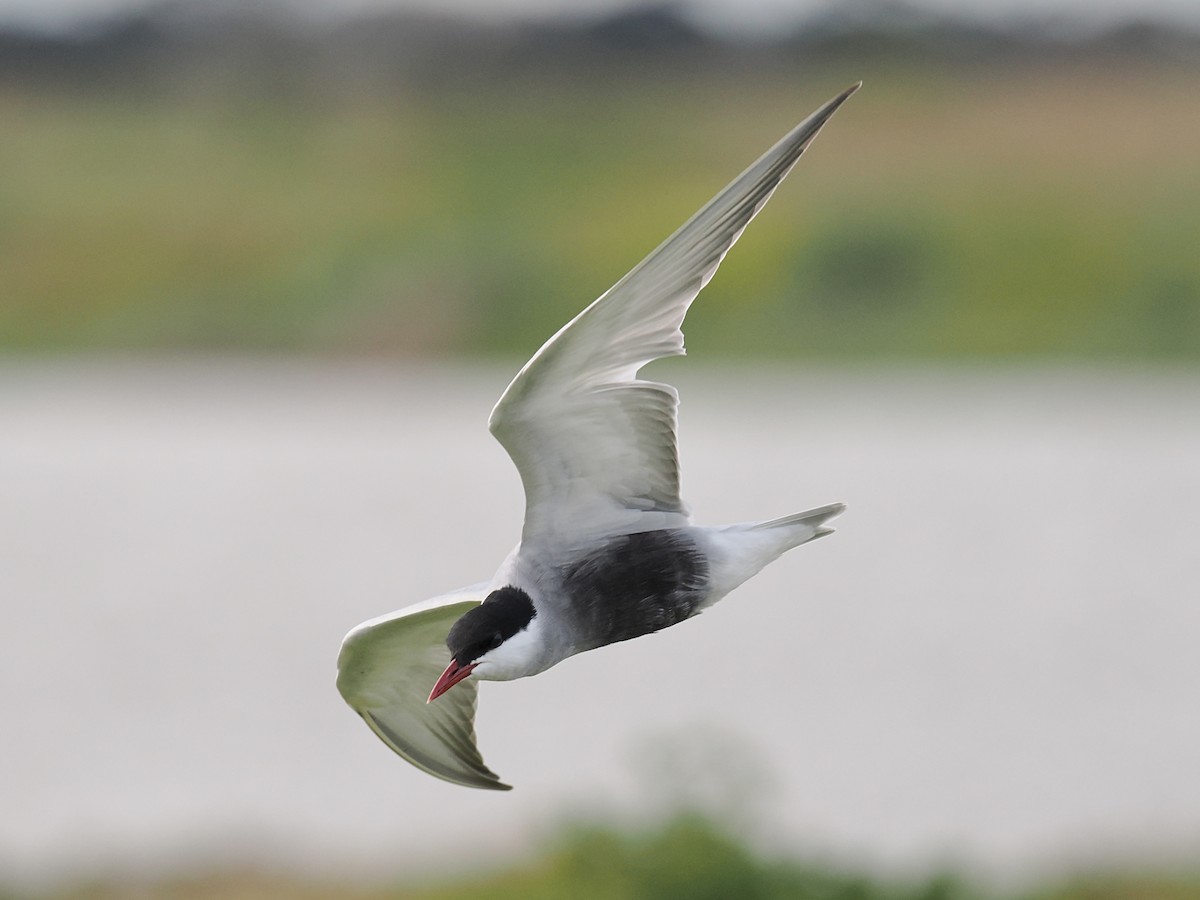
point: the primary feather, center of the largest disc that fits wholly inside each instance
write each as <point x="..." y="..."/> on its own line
<point x="382" y="667"/>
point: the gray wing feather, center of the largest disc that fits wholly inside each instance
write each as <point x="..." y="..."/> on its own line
<point x="386" y="669"/>
<point x="592" y="443"/>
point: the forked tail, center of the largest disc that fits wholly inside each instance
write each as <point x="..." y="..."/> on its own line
<point x="736" y="552"/>
<point x="804" y="526"/>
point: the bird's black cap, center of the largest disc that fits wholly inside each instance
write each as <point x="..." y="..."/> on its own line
<point x="487" y="626"/>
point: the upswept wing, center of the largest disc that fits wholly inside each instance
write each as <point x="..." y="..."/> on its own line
<point x="386" y="669"/>
<point x="594" y="445"/>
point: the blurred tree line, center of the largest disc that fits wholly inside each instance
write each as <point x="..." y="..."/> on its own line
<point x="238" y="177"/>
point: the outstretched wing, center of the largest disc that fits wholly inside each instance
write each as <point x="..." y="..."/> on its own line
<point x="594" y="445"/>
<point x="386" y="669"/>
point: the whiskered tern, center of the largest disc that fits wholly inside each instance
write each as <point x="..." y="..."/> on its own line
<point x="608" y="551"/>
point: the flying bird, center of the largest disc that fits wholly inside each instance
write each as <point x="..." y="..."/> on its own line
<point x="608" y="551"/>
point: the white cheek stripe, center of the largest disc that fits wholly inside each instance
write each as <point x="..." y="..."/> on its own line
<point x="521" y="655"/>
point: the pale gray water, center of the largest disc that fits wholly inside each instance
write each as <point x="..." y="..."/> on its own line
<point x="996" y="660"/>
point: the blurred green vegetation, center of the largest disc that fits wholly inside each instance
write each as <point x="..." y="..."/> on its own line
<point x="1051" y="210"/>
<point x="686" y="858"/>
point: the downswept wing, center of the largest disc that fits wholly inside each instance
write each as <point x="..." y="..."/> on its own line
<point x="594" y="445"/>
<point x="386" y="669"/>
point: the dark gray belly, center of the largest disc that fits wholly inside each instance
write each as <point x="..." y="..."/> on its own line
<point x="635" y="584"/>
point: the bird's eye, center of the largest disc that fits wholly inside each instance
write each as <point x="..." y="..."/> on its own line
<point x="497" y="640"/>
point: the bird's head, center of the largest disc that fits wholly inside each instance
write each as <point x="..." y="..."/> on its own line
<point x="494" y="641"/>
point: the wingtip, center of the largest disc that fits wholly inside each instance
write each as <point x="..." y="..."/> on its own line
<point x="810" y="127"/>
<point x="846" y="94"/>
<point x="491" y="782"/>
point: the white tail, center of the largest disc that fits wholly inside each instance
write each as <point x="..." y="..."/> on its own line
<point x="806" y="526"/>
<point x="736" y="552"/>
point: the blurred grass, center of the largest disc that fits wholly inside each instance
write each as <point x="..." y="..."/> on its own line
<point x="685" y="858"/>
<point x="1045" y="211"/>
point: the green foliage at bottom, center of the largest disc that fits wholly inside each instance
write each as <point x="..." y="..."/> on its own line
<point x="689" y="857"/>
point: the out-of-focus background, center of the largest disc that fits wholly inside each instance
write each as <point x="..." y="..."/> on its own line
<point x="265" y="267"/>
